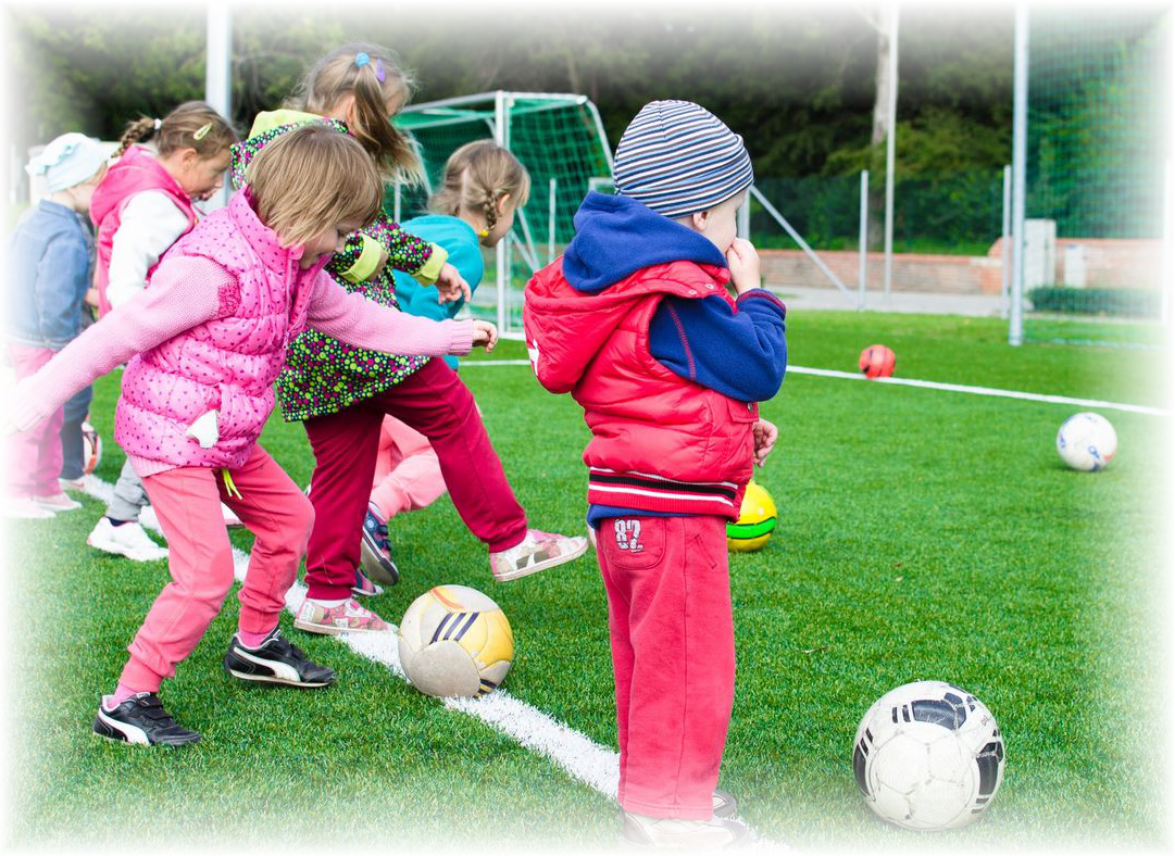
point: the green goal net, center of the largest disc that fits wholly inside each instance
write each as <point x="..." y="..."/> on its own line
<point x="560" y="140"/>
<point x="1097" y="176"/>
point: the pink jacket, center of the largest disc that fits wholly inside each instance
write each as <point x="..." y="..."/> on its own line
<point x="135" y="172"/>
<point x="209" y="335"/>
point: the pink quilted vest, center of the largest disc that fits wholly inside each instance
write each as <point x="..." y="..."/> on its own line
<point x="135" y="172"/>
<point x="228" y="364"/>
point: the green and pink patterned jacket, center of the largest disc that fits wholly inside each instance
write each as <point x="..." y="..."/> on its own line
<point x="323" y="375"/>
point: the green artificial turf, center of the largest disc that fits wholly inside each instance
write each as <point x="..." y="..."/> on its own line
<point x="922" y="535"/>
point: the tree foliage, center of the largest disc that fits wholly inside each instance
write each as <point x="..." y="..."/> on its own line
<point x="797" y="82"/>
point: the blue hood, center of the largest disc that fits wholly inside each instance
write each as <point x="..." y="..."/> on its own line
<point x="615" y="236"/>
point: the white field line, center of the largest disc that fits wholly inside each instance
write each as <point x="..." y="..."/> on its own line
<point x="925" y="384"/>
<point x="577" y="754"/>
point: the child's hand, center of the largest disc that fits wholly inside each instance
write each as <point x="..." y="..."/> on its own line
<point x="765" y="436"/>
<point x="451" y="286"/>
<point x="744" y="265"/>
<point x="485" y="333"/>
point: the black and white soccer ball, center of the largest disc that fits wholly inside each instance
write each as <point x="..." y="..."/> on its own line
<point x="929" y="756"/>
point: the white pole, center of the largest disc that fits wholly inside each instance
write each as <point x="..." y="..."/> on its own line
<point x="218" y="75"/>
<point x="551" y="226"/>
<point x="1006" y="243"/>
<point x="744" y="219"/>
<point x="863" y="239"/>
<point x="1165" y="283"/>
<point x="1019" y="164"/>
<point x="503" y="248"/>
<point x="13" y="173"/>
<point x="396" y="202"/>
<point x="889" y="148"/>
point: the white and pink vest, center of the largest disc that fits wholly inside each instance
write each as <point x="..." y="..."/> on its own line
<point x="136" y="171"/>
<point x="227" y="364"/>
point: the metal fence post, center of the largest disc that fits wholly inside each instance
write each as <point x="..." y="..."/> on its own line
<point x="863" y="239"/>
<point x="1006" y="243"/>
<point x="1165" y="283"/>
<point x="218" y="74"/>
<point x="1019" y="184"/>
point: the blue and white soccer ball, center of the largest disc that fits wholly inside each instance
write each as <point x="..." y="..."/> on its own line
<point x="1087" y="442"/>
<point x="928" y="756"/>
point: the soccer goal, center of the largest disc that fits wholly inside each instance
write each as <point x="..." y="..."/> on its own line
<point x="1098" y="239"/>
<point x="560" y="140"/>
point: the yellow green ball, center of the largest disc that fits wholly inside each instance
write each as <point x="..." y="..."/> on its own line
<point x="756" y="521"/>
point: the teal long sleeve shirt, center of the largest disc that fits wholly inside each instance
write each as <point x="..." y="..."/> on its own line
<point x="460" y="240"/>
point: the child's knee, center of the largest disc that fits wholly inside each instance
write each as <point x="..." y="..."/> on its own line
<point x="301" y="522"/>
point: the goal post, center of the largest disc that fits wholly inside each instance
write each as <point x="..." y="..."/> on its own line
<point x="558" y="137"/>
<point x="1096" y="230"/>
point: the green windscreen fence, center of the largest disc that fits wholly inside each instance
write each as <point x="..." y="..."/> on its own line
<point x="1097" y="150"/>
<point x="558" y="138"/>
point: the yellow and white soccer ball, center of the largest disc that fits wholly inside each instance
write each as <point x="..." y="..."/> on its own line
<point x="455" y="641"/>
<point x="756" y="521"/>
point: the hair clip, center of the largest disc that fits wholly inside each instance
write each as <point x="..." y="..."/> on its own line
<point x="484" y="233"/>
<point x="362" y="59"/>
<point x="203" y="132"/>
<point x="379" y="70"/>
<point x="158" y="124"/>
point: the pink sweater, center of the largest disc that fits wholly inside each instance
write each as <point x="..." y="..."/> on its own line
<point x="188" y="291"/>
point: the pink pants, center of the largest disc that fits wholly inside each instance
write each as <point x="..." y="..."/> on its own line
<point x="33" y="458"/>
<point x="407" y="471"/>
<point x="435" y="402"/>
<point x="187" y="501"/>
<point x="672" y="634"/>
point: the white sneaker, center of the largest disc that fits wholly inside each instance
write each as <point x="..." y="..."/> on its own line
<point x="129" y="539"/>
<point x="57" y="502"/>
<point x="72" y="484"/>
<point x="230" y="517"/>
<point x="23" y="508"/>
<point x="677" y="834"/>
<point x="148" y="519"/>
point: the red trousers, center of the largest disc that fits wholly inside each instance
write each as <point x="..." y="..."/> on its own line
<point x="436" y="403"/>
<point x="33" y="458"/>
<point x="672" y="634"/>
<point x="187" y="501"/>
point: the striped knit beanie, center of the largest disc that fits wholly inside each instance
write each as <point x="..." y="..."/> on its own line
<point x="678" y="158"/>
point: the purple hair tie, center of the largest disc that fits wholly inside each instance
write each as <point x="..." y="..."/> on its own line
<point x="379" y="70"/>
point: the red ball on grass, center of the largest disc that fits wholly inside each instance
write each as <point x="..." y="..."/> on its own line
<point x="877" y="361"/>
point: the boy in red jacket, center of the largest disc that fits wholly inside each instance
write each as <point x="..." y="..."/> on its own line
<point x="636" y="323"/>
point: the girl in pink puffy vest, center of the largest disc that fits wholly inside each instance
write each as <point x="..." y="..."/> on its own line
<point x="143" y="206"/>
<point x="203" y="345"/>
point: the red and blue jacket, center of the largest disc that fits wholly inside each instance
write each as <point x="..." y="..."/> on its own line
<point x="634" y="320"/>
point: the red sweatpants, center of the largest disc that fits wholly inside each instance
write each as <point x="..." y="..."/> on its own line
<point x="33" y="458"/>
<point x="436" y="403"/>
<point x="672" y="633"/>
<point x="187" y="501"/>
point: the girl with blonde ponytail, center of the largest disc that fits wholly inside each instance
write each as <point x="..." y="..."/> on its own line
<point x="145" y="204"/>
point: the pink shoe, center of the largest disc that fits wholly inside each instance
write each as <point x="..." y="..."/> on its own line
<point x="23" y="508"/>
<point x="346" y="617"/>
<point x="537" y="552"/>
<point x="57" y="502"/>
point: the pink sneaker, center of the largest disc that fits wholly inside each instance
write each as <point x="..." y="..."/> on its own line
<point x="537" y="552"/>
<point x="57" y="502"/>
<point x="23" y="508"/>
<point x="346" y="617"/>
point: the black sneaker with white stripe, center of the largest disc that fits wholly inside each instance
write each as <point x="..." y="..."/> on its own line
<point x="275" y="661"/>
<point x="142" y="720"/>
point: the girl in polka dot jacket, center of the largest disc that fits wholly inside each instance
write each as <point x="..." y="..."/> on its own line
<point x="203" y="344"/>
<point x="341" y="393"/>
